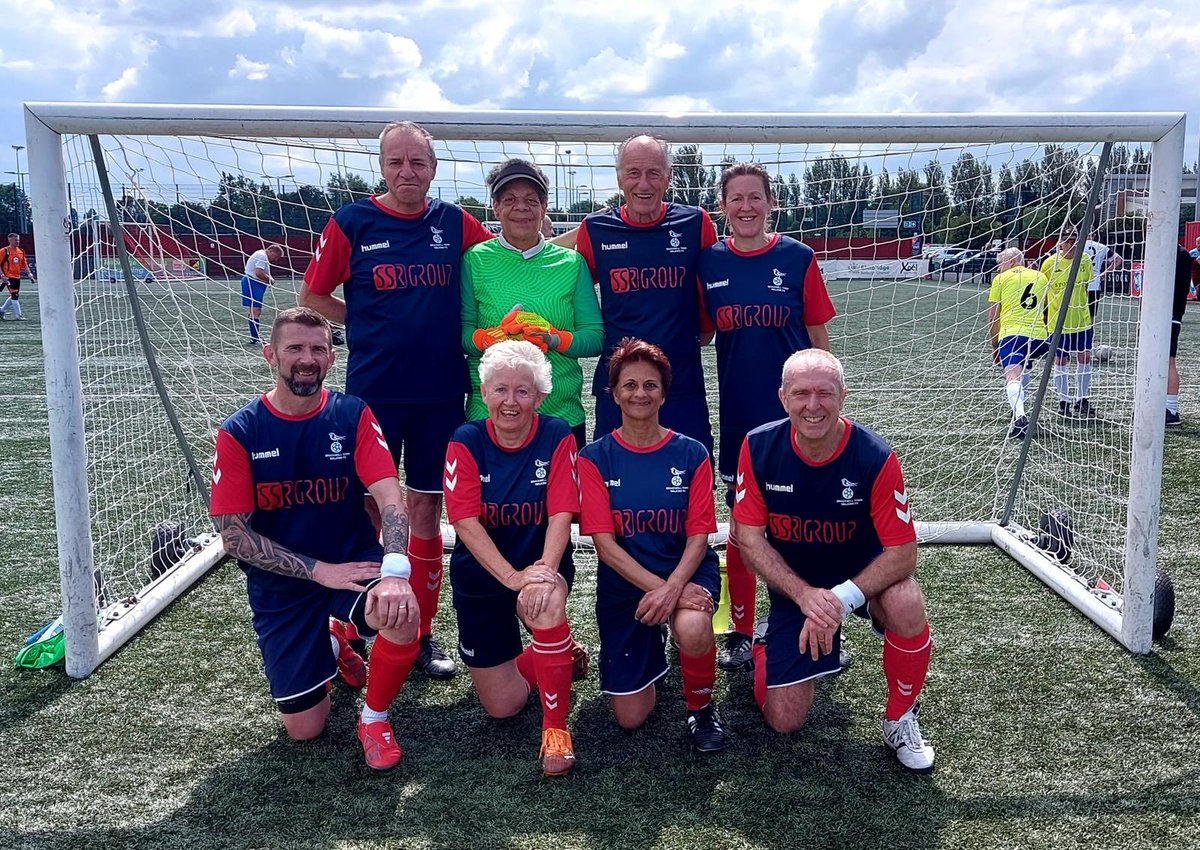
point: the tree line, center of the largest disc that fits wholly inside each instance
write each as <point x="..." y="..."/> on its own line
<point x="971" y="205"/>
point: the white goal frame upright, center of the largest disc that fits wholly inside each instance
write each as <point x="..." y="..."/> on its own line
<point x="47" y="123"/>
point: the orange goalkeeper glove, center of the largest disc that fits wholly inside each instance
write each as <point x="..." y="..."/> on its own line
<point x="551" y="339"/>
<point x="484" y="338"/>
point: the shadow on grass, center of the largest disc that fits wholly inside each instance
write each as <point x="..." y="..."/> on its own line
<point x="24" y="694"/>
<point x="1170" y="678"/>
<point x="468" y="781"/>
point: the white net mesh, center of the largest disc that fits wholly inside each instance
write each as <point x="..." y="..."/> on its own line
<point x="911" y="324"/>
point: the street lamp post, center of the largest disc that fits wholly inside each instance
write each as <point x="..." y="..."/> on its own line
<point x="570" y="186"/>
<point x="19" y="195"/>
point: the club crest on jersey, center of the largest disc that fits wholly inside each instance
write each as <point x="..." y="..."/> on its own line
<point x="540" y="471"/>
<point x="676" y="242"/>
<point x="437" y="240"/>
<point x="777" y="284"/>
<point x="337" y="447"/>
<point x="849" y="499"/>
<point x="676" y="485"/>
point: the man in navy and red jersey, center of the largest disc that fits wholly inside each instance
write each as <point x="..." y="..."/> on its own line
<point x="397" y="258"/>
<point x="646" y="499"/>
<point x="643" y="255"/>
<point x="824" y="518"/>
<point x="287" y="498"/>
<point x="766" y="297"/>
<point x="511" y="492"/>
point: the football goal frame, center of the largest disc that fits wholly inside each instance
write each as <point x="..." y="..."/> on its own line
<point x="48" y="125"/>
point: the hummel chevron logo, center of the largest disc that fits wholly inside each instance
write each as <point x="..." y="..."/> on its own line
<point x="740" y="477"/>
<point x="551" y="700"/>
<point x="451" y="482"/>
<point x="379" y="438"/>
<point x="905" y="688"/>
<point x="434" y="581"/>
<point x="740" y="494"/>
<point x="901" y="497"/>
<point x="904" y="516"/>
<point x="573" y="456"/>
<point x="321" y="246"/>
<point x="452" y="465"/>
<point x="739" y="611"/>
<point x="216" y="476"/>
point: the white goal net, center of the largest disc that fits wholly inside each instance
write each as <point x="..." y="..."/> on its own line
<point x="906" y="214"/>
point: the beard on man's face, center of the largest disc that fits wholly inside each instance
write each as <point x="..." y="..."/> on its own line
<point x="304" y="383"/>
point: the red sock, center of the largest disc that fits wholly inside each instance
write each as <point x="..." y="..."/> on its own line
<point x="425" y="554"/>
<point x="742" y="587"/>
<point x="905" y="663"/>
<point x="699" y="675"/>
<point x="527" y="667"/>
<point x="760" y="674"/>
<point x="388" y="670"/>
<point x="552" y="664"/>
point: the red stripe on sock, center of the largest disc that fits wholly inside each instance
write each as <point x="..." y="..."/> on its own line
<point x="552" y="668"/>
<point x="742" y="588"/>
<point x="905" y="665"/>
<point x="388" y="671"/>
<point x="699" y="675"/>
<point x="425" y="554"/>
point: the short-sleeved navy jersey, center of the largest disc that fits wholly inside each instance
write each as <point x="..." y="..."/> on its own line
<point x="651" y="499"/>
<point x="648" y="287"/>
<point x="400" y="278"/>
<point x="760" y="303"/>
<point x="301" y="479"/>
<point x="513" y="492"/>
<point x="828" y="520"/>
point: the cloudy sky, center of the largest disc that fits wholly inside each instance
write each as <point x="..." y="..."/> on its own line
<point x="657" y="55"/>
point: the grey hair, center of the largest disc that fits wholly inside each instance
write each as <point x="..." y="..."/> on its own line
<point x="813" y="357"/>
<point x="408" y="127"/>
<point x="663" y="146"/>
<point x="1011" y="255"/>
<point x="517" y="354"/>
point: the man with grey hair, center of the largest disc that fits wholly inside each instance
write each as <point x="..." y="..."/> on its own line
<point x="397" y="257"/>
<point x="1017" y="332"/>
<point x="824" y="518"/>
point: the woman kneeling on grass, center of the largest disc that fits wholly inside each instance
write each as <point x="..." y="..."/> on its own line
<point x="647" y="501"/>
<point x="511" y="494"/>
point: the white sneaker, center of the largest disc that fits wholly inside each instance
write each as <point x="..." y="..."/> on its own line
<point x="903" y="736"/>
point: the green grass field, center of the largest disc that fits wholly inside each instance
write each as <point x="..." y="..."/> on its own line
<point x="1048" y="733"/>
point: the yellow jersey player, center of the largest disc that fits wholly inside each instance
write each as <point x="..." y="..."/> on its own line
<point x="1077" y="327"/>
<point x="1017" y="328"/>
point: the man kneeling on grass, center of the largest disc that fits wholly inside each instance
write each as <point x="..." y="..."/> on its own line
<point x="823" y="514"/>
<point x="287" y="498"/>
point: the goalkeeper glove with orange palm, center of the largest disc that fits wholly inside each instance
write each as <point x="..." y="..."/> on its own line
<point x="484" y="338"/>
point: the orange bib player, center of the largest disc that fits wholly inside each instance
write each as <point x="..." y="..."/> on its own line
<point x="13" y="265"/>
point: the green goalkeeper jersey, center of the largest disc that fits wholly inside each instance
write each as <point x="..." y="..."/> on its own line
<point x="549" y="280"/>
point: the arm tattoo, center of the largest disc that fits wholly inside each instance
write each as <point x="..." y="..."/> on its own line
<point x="247" y="545"/>
<point x="395" y="529"/>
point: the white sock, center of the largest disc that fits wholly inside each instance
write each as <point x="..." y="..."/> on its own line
<point x="370" y="716"/>
<point x="1083" y="379"/>
<point x="1062" y="383"/>
<point x="7" y="303"/>
<point x="1173" y="403"/>
<point x="1026" y="379"/>
<point x="17" y="308"/>
<point x="1016" y="398"/>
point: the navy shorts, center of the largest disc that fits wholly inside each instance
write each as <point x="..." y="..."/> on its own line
<point x="786" y="665"/>
<point x="633" y="655"/>
<point x="688" y="416"/>
<point x="253" y="291"/>
<point x="1073" y="342"/>
<point x="291" y="619"/>
<point x="1016" y="350"/>
<point x="1176" y="327"/>
<point x="14" y="286"/>
<point x="489" y="630"/>
<point x="417" y="434"/>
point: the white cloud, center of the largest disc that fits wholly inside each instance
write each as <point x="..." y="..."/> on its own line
<point x="249" y="69"/>
<point x="120" y="88"/>
<point x="235" y="23"/>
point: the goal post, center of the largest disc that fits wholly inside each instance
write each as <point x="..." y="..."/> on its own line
<point x="213" y="183"/>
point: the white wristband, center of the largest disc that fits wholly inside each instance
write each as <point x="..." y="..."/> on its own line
<point x="850" y="595"/>
<point x="395" y="565"/>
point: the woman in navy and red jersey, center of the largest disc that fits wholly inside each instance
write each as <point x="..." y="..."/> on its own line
<point x="647" y="502"/>
<point x="766" y="297"/>
<point x="511" y="493"/>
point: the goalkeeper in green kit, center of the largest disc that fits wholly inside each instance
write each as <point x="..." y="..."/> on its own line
<point x="520" y="286"/>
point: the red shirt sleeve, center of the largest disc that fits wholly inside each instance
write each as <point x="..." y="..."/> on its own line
<point x="460" y="483"/>
<point x="708" y="230"/>
<point x="583" y="244"/>
<point x="702" y="511"/>
<point x="595" y="506"/>
<point x="232" y="483"/>
<point x="749" y="507"/>
<point x="372" y="457"/>
<point x="562" y="486"/>
<point x="890" y="509"/>
<point x="473" y="231"/>
<point x="818" y="309"/>
<point x="329" y="267"/>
